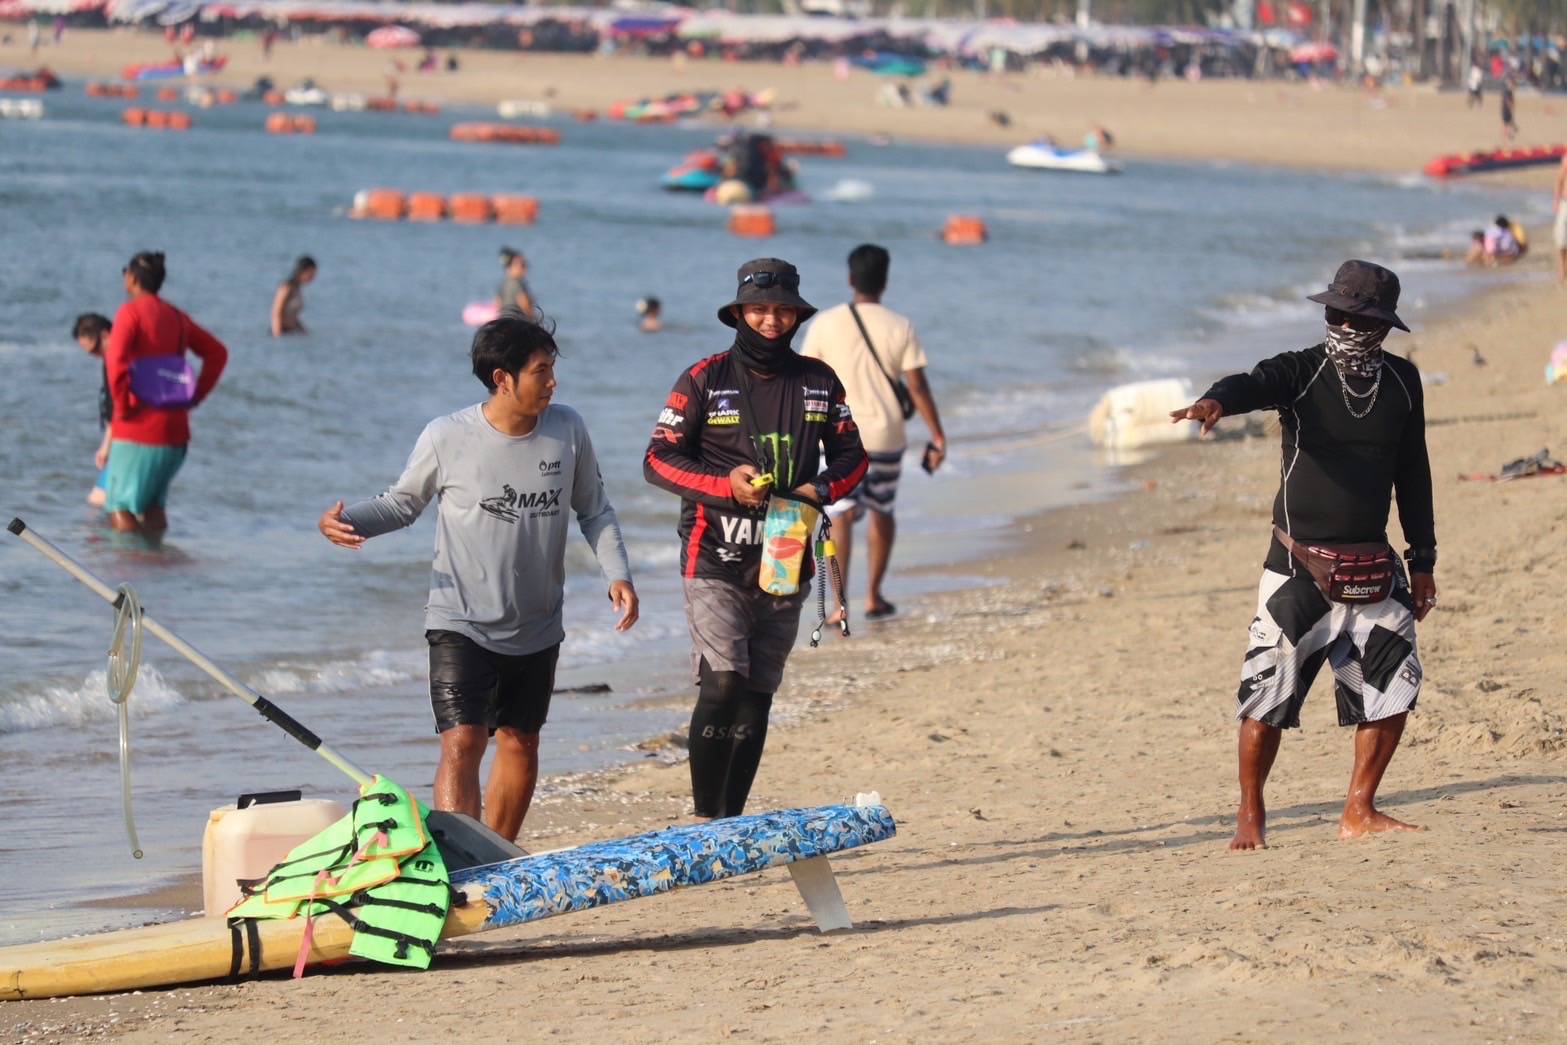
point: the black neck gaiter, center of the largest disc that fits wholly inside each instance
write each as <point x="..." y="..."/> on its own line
<point x="765" y="355"/>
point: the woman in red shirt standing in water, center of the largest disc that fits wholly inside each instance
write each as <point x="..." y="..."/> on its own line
<point x="153" y="390"/>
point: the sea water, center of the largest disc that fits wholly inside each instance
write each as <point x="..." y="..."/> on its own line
<point x="1169" y="269"/>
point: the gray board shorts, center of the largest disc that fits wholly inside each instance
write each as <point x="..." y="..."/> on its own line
<point x="743" y="629"/>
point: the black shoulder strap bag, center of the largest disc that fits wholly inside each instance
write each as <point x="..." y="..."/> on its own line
<point x="899" y="389"/>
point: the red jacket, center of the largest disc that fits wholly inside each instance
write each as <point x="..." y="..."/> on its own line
<point x="149" y="326"/>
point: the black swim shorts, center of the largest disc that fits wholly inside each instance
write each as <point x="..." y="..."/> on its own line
<point x="472" y="686"/>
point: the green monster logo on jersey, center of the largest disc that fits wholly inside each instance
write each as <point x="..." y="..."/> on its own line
<point x="777" y="453"/>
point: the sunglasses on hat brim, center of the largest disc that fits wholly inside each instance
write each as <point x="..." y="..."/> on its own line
<point x="764" y="280"/>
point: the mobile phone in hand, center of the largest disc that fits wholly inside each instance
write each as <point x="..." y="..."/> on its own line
<point x="927" y="457"/>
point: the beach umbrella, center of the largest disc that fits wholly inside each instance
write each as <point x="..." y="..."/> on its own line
<point x="1314" y="53"/>
<point x="390" y="37"/>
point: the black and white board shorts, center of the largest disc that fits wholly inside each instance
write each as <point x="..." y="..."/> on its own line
<point x="1376" y="669"/>
<point x="878" y="491"/>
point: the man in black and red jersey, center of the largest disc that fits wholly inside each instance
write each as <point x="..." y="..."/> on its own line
<point x="755" y="410"/>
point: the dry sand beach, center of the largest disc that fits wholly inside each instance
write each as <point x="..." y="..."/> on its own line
<point x="1059" y="750"/>
<point x="1264" y="122"/>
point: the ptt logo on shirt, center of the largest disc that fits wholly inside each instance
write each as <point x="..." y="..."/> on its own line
<point x="549" y="467"/>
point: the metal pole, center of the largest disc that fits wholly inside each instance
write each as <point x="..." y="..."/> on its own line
<point x="268" y="710"/>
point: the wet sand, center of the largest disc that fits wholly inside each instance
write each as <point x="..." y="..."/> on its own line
<point x="1059" y="753"/>
<point x="1263" y="122"/>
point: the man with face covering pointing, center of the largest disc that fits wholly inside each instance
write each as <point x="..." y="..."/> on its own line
<point x="754" y="411"/>
<point x="1353" y="420"/>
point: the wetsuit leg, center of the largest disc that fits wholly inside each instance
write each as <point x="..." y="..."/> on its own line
<point x="719" y="699"/>
<point x="749" y="735"/>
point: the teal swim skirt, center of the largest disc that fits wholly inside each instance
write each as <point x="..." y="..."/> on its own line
<point x="139" y="476"/>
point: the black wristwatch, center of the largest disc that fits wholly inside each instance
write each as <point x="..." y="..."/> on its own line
<point x="823" y="488"/>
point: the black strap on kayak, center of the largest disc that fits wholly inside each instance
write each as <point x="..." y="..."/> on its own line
<point x="237" y="944"/>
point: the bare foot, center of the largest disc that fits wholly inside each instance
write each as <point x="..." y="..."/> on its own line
<point x="1250" y="829"/>
<point x="1358" y="822"/>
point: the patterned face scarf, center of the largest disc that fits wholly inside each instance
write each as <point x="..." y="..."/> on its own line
<point x="1356" y="352"/>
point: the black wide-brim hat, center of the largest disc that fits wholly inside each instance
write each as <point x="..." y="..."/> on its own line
<point x="1363" y="289"/>
<point x="767" y="281"/>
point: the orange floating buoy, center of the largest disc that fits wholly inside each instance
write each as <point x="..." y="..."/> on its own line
<point x="157" y="119"/>
<point x="226" y="97"/>
<point x="288" y="123"/>
<point x="426" y="206"/>
<point x="585" y="116"/>
<point x="168" y="94"/>
<point x="135" y="117"/>
<point x="274" y="98"/>
<point x="752" y="222"/>
<point x="381" y="104"/>
<point x="964" y="230"/>
<point x="380" y="205"/>
<point x="515" y="210"/>
<point x="179" y="121"/>
<point x="471" y="208"/>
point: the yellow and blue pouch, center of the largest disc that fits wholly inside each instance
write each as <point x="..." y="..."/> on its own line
<point x="787" y="533"/>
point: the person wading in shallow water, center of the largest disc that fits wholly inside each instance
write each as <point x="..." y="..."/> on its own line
<point x="1353" y="422"/>
<point x="754" y="404"/>
<point x="152" y="400"/>
<point x="289" y="301"/>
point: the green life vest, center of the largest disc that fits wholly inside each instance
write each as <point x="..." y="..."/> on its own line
<point x="377" y="868"/>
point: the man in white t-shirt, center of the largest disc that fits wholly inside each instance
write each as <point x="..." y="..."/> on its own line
<point x="870" y="346"/>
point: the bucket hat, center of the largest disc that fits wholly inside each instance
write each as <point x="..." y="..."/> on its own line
<point x="767" y="281"/>
<point x="1363" y="289"/>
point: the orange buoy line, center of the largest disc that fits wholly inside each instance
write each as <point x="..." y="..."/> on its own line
<point x="752" y="222"/>
<point x="830" y="149"/>
<point x="964" y="230"/>
<point x="168" y="94"/>
<point x="158" y="119"/>
<point x="113" y="90"/>
<point x="288" y="123"/>
<point x="471" y="208"/>
<point x="506" y="133"/>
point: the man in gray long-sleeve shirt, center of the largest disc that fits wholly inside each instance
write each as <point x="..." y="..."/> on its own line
<point x="505" y="472"/>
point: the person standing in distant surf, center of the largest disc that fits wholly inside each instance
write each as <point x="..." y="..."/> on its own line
<point x="91" y="331"/>
<point x="1332" y="590"/>
<point x="1509" y="125"/>
<point x="153" y="393"/>
<point x="504" y="473"/>
<point x="514" y="292"/>
<point x="289" y="301"/>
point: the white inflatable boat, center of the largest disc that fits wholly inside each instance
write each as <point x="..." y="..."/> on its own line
<point x="1046" y="157"/>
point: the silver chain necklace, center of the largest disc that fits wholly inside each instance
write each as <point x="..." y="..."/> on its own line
<point x="1376" y="386"/>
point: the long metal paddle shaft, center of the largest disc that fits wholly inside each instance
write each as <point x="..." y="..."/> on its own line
<point x="268" y="710"/>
